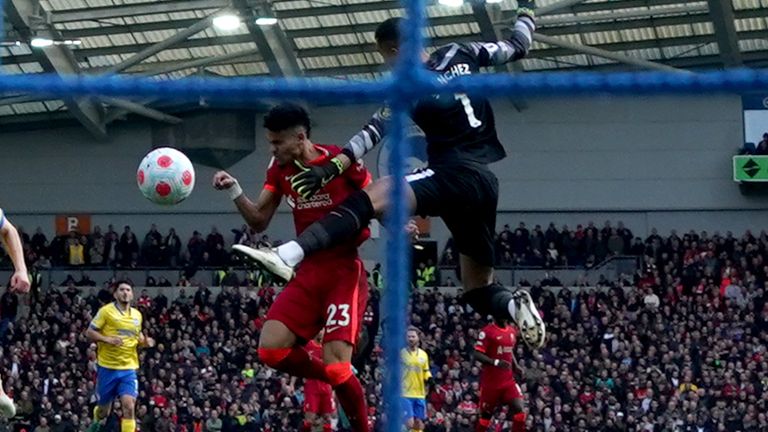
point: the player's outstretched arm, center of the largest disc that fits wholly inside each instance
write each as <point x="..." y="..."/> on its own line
<point x="12" y="243"/>
<point x="369" y="136"/>
<point x="515" y="46"/>
<point x="256" y="214"/>
<point x="313" y="178"/>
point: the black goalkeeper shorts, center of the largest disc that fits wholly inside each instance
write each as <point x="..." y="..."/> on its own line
<point x="465" y="197"/>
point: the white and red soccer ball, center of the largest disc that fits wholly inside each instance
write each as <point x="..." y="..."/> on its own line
<point x="166" y="176"/>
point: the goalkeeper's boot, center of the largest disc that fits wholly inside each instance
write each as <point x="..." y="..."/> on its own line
<point x="528" y="319"/>
<point x="267" y="259"/>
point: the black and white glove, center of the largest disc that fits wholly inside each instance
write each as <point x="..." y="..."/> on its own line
<point x="313" y="178"/>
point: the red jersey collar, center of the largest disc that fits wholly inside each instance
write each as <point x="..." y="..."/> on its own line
<point x="324" y="153"/>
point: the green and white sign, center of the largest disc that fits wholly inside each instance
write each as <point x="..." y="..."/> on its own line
<point x="750" y="168"/>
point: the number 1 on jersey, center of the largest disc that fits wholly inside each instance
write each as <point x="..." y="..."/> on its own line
<point x="473" y="121"/>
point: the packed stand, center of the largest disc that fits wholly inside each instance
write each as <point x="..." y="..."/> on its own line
<point x="202" y="375"/>
<point x="587" y="245"/>
<point x="124" y="250"/>
<point x="682" y="346"/>
<point x="584" y="246"/>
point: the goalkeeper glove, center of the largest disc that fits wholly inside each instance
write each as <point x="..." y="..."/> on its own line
<point x="526" y="8"/>
<point x="313" y="178"/>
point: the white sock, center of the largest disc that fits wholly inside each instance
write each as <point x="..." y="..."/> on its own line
<point x="291" y="253"/>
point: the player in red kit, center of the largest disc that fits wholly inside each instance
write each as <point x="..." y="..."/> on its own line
<point x="318" y="395"/>
<point x="495" y="350"/>
<point x="328" y="291"/>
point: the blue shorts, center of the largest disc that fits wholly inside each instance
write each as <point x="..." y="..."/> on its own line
<point x="415" y="408"/>
<point x="114" y="383"/>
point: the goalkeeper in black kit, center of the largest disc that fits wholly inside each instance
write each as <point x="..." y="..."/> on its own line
<point x="456" y="186"/>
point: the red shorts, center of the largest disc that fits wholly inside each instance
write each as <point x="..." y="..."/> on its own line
<point x="492" y="397"/>
<point x="319" y="403"/>
<point x="328" y="294"/>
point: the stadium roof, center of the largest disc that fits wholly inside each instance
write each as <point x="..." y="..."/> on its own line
<point x="176" y="38"/>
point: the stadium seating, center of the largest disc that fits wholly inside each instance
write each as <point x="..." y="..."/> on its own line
<point x="679" y="345"/>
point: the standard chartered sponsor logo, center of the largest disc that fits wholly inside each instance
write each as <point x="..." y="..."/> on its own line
<point x="320" y="200"/>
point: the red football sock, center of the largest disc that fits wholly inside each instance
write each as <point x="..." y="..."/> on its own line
<point x="327" y="427"/>
<point x="350" y="394"/>
<point x="295" y="361"/>
<point x="518" y="422"/>
<point x="482" y="425"/>
<point x="352" y="399"/>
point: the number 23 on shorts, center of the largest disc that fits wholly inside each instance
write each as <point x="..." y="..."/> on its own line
<point x="338" y="316"/>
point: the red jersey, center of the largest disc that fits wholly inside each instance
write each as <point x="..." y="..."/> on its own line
<point x="308" y="211"/>
<point x="498" y="344"/>
<point x="316" y="387"/>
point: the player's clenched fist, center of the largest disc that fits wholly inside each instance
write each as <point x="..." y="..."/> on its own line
<point x="223" y="180"/>
<point x="20" y="282"/>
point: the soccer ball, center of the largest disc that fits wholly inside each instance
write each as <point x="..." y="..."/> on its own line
<point x="166" y="176"/>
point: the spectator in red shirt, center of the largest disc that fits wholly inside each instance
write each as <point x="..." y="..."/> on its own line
<point x="145" y="302"/>
<point x="468" y="406"/>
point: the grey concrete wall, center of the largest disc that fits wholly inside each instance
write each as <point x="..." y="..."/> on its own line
<point x="659" y="162"/>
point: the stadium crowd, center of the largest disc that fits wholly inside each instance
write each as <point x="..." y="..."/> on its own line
<point x="123" y="250"/>
<point x="681" y="346"/>
<point x="584" y="246"/>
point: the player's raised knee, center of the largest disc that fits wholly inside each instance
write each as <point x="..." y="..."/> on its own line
<point x="273" y="356"/>
<point x="338" y="373"/>
<point x="275" y="334"/>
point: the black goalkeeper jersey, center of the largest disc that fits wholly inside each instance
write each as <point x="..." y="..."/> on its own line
<point x="458" y="128"/>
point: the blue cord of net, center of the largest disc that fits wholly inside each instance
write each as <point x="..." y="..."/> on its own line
<point x="408" y="70"/>
<point x="417" y="82"/>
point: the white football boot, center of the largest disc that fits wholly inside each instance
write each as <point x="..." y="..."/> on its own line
<point x="268" y="259"/>
<point x="529" y="320"/>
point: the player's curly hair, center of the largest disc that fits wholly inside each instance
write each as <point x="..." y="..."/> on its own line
<point x="389" y="31"/>
<point x="285" y="116"/>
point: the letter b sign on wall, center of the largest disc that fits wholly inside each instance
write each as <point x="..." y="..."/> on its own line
<point x="79" y="223"/>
